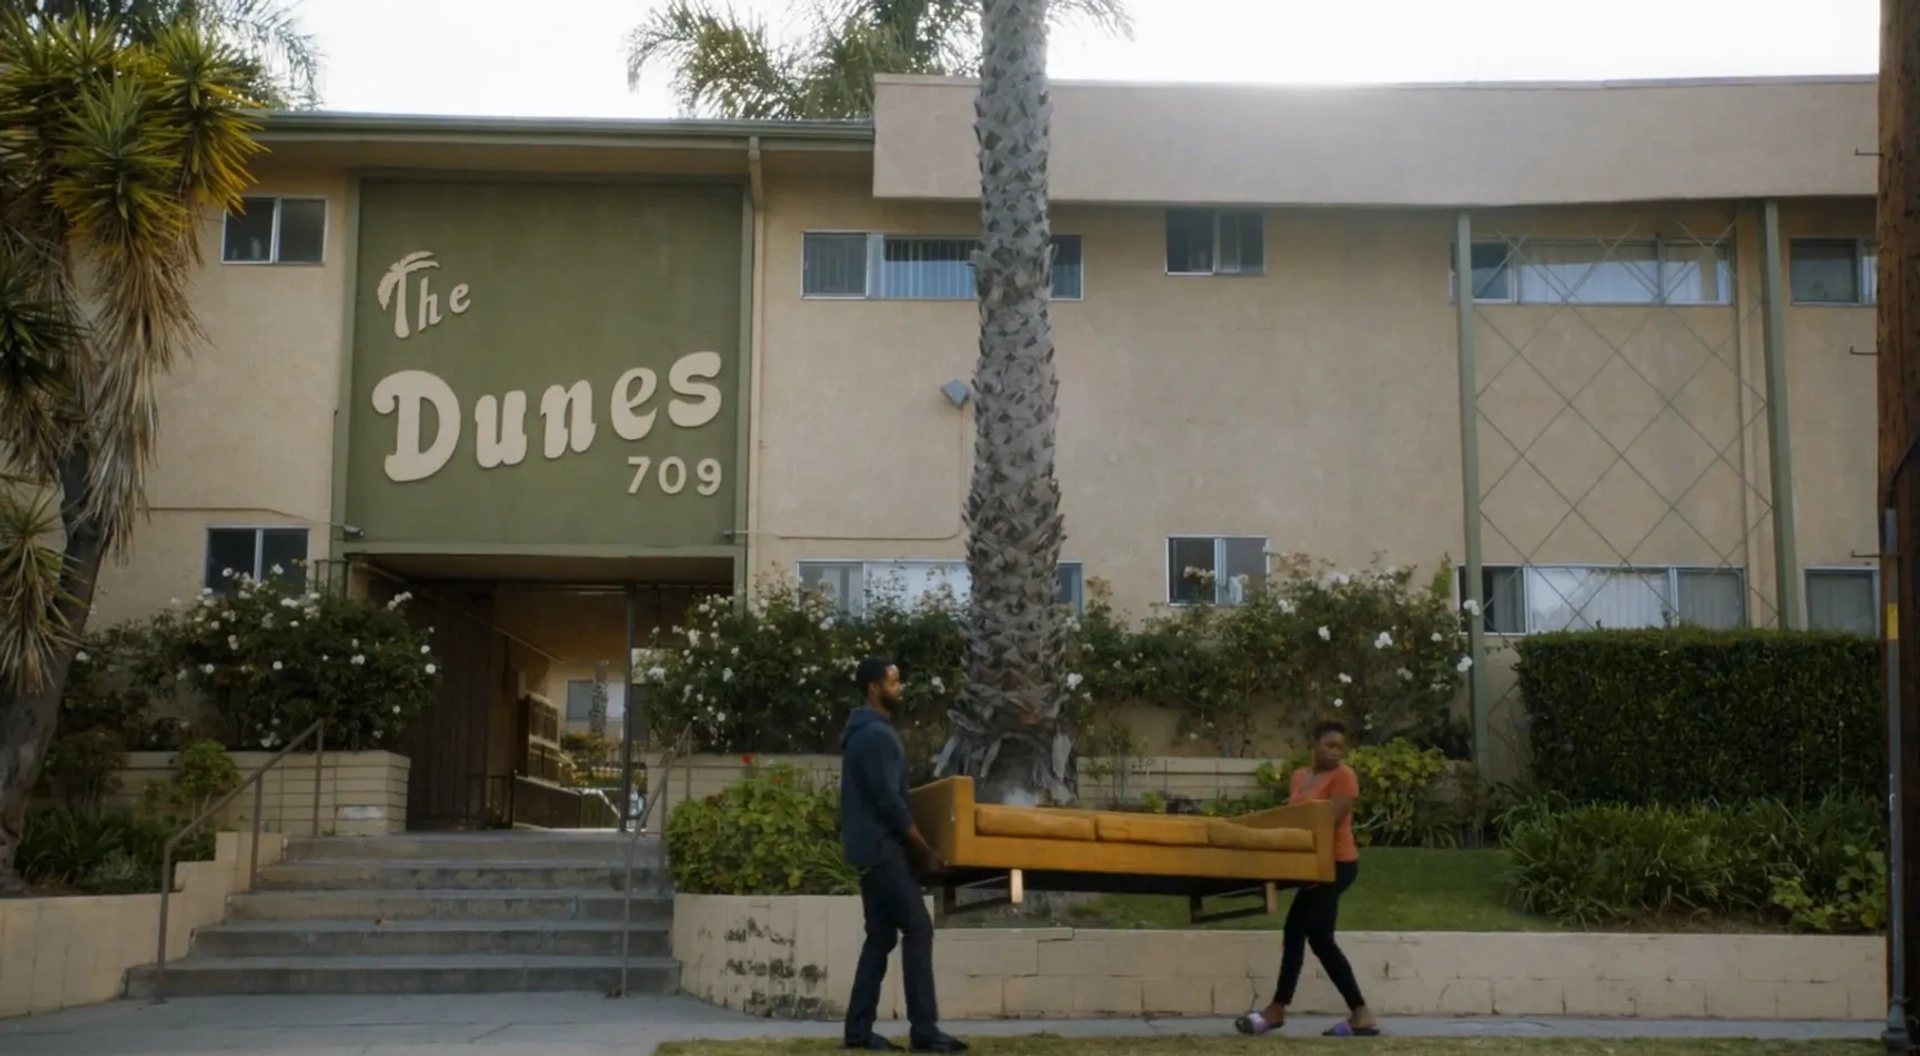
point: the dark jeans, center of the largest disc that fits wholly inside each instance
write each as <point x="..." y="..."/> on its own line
<point x="890" y="894"/>
<point x="1316" y="909"/>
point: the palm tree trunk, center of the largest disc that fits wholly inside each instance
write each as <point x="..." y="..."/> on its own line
<point x="1010" y="730"/>
<point x="27" y="720"/>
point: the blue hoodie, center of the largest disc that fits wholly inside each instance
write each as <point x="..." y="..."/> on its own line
<point x="874" y="817"/>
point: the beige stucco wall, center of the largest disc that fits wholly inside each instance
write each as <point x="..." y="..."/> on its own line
<point x="361" y="793"/>
<point x="246" y="420"/>
<point x="794" y="956"/>
<point x="1317" y="404"/>
<point x="56" y="953"/>
<point x="1487" y="144"/>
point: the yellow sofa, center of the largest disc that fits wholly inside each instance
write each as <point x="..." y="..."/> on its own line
<point x="1115" y="852"/>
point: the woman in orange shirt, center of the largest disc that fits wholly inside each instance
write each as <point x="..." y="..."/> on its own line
<point x="1316" y="907"/>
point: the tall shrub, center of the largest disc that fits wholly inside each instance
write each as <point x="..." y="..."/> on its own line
<point x="1685" y="715"/>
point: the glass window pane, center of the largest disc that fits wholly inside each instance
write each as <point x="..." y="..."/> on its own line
<point x="303" y="230"/>
<point x="1190" y="241"/>
<point x="1842" y="600"/>
<point x="1492" y="275"/>
<point x="283" y="554"/>
<point x="1072" y="587"/>
<point x="579" y="699"/>
<point x="1824" y="271"/>
<point x="1697" y="274"/>
<point x="925" y="268"/>
<point x="1869" y="273"/>
<point x="1068" y="268"/>
<point x="1249" y="234"/>
<point x="1589" y="273"/>
<point x="249" y="234"/>
<point x="229" y="549"/>
<point x="1579" y="599"/>
<point x="1185" y="558"/>
<point x="1502" y="591"/>
<point x="834" y="266"/>
<point x="906" y="583"/>
<point x="1244" y="569"/>
<point x="836" y="582"/>
<point x="1713" y="598"/>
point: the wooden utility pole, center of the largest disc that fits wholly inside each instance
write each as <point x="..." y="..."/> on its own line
<point x="1899" y="392"/>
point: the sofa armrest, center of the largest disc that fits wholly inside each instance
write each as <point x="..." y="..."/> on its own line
<point x="943" y="810"/>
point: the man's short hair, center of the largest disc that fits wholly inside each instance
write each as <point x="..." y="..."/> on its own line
<point x="871" y="672"/>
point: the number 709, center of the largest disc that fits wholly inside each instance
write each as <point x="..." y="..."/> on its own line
<point x="671" y="476"/>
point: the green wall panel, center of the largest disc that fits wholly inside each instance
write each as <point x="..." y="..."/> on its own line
<point x="542" y="365"/>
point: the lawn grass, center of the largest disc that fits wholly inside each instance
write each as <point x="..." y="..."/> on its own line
<point x="1399" y="889"/>
<point x="1054" y="1045"/>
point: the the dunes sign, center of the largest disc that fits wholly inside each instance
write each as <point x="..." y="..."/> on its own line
<point x="568" y="409"/>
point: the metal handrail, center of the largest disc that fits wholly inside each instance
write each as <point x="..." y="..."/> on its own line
<point x="317" y="731"/>
<point x="680" y="748"/>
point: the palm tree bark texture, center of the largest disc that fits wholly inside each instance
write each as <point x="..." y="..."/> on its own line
<point x="1899" y="391"/>
<point x="1010" y="724"/>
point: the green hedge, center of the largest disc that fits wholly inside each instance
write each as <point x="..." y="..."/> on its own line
<point x="1686" y="716"/>
<point x="1815" y="868"/>
<point x="772" y="832"/>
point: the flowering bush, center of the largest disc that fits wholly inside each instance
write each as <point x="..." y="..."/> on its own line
<point x="1366" y="647"/>
<point x="272" y="657"/>
<point x="776" y="675"/>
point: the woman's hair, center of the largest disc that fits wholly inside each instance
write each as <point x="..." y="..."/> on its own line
<point x="1326" y="726"/>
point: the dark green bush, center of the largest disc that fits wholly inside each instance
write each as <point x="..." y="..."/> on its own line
<point x="771" y="833"/>
<point x="1815" y="868"/>
<point x="1686" y="716"/>
<point x="112" y="852"/>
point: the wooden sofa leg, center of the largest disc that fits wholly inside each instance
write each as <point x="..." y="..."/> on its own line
<point x="1269" y="895"/>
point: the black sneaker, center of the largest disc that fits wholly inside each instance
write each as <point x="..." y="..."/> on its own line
<point x="873" y="1043"/>
<point x="939" y="1043"/>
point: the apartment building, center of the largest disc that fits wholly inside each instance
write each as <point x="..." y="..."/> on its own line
<point x="561" y="377"/>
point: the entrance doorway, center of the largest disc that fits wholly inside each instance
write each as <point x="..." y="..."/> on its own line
<point x="532" y="725"/>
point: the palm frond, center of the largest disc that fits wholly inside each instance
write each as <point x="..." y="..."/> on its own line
<point x="281" y="61"/>
<point x="723" y="63"/>
<point x="1110" y="17"/>
<point x="40" y="340"/>
<point x="32" y="631"/>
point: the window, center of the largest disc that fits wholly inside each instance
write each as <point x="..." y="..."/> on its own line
<point x="1533" y="599"/>
<point x="579" y="699"/>
<point x="1216" y="242"/>
<point x="851" y="584"/>
<point x="868" y="265"/>
<point x="1235" y="563"/>
<point x="276" y="231"/>
<point x="1843" y="599"/>
<point x="255" y="552"/>
<point x="1843" y="271"/>
<point x="1589" y="271"/>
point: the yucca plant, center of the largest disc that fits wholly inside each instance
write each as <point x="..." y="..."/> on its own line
<point x="110" y="149"/>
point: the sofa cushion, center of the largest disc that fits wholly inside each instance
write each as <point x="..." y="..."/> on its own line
<point x="1224" y="833"/>
<point x="1152" y="828"/>
<point x="1032" y="823"/>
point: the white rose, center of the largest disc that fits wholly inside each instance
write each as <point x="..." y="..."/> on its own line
<point x="1383" y="641"/>
<point x="1325" y="634"/>
<point x="1465" y="663"/>
<point x="432" y="668"/>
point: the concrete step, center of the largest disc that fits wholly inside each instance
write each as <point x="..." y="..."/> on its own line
<point x="483" y="846"/>
<point x="197" y="976"/>
<point x="440" y="938"/>
<point x="468" y="904"/>
<point x="494" y="875"/>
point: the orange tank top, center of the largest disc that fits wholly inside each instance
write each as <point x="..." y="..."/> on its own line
<point x="1310" y="784"/>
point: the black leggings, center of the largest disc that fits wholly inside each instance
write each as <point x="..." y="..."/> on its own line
<point x="1316" y="908"/>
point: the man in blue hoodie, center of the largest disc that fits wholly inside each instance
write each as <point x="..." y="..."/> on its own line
<point x="880" y="839"/>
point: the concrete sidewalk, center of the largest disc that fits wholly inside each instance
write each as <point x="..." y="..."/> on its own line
<point x="588" y="1025"/>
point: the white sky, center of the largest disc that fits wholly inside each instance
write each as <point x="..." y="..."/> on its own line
<point x="566" y="57"/>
